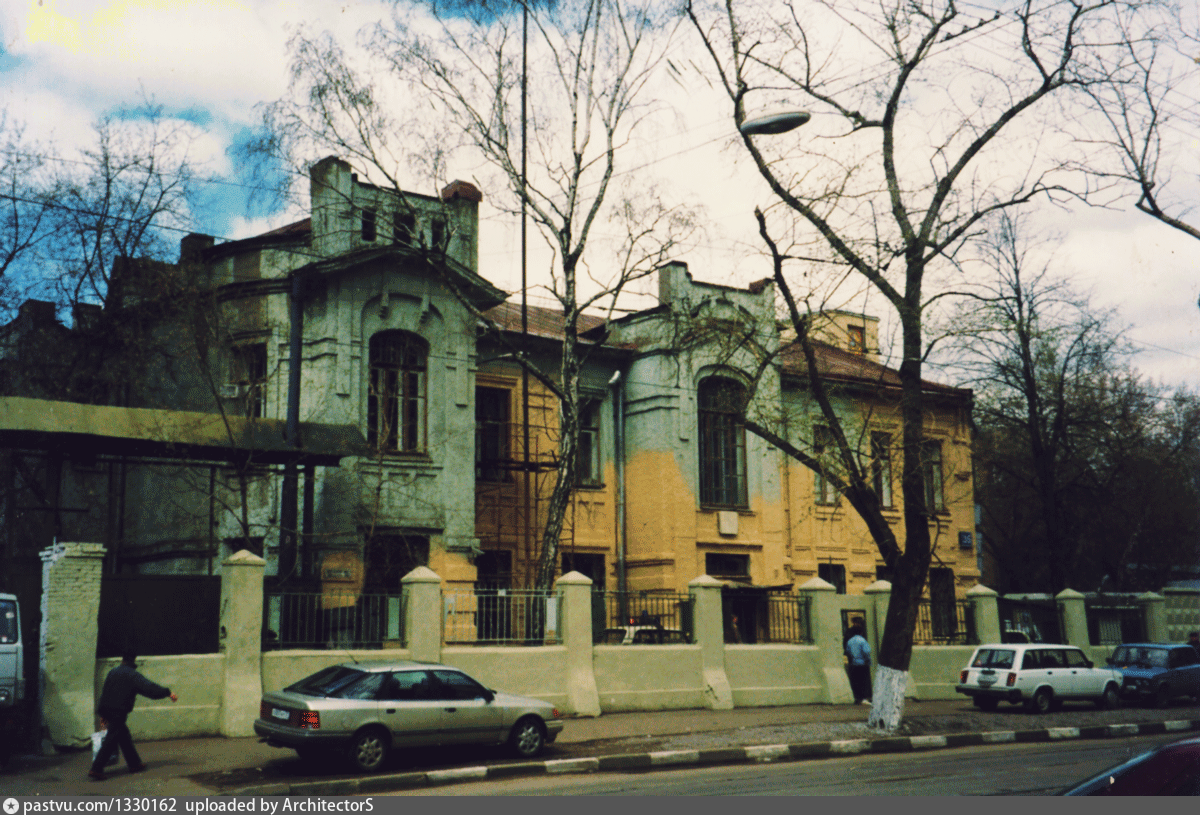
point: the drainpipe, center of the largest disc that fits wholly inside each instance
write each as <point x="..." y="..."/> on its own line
<point x="288" y="539"/>
<point x="618" y="391"/>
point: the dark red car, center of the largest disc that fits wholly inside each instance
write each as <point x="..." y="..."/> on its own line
<point x="1173" y="769"/>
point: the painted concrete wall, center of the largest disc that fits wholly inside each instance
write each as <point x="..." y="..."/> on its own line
<point x="216" y="696"/>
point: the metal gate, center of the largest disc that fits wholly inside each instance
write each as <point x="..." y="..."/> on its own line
<point x="1030" y="619"/>
<point x="159" y="615"/>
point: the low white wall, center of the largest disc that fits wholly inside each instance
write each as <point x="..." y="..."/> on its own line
<point x="648" y="677"/>
<point x="770" y="675"/>
<point x="540" y="672"/>
<point x="195" y="678"/>
<point x="933" y="671"/>
<point x="282" y="668"/>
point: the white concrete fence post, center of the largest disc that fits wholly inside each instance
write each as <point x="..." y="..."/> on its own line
<point x="423" y="619"/>
<point x="241" y="641"/>
<point x="1072" y="607"/>
<point x="1154" y="616"/>
<point x="710" y="634"/>
<point x="582" y="695"/>
<point x="70" y="611"/>
<point x="985" y="610"/>
<point x="826" y="625"/>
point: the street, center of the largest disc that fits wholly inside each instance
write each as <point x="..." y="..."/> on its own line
<point x="1015" y="769"/>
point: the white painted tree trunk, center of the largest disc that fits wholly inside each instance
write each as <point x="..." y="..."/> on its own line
<point x="887" y="698"/>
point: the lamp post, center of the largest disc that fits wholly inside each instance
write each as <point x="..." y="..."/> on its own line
<point x="774" y="123"/>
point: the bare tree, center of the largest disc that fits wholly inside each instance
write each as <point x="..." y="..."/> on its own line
<point x="588" y="68"/>
<point x="25" y="197"/>
<point x="918" y="138"/>
<point x="1151" y="115"/>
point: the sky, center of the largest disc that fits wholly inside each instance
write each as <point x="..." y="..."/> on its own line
<point x="63" y="63"/>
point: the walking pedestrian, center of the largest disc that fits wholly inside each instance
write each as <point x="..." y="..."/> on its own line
<point x="858" y="650"/>
<point x="1194" y="641"/>
<point x="120" y="691"/>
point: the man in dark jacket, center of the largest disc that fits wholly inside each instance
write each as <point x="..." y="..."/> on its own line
<point x="121" y="688"/>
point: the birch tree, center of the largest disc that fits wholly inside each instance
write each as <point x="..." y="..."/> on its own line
<point x="456" y="71"/>
<point x="929" y="115"/>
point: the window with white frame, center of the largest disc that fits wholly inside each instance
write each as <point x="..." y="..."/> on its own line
<point x="396" y="395"/>
<point x="823" y="451"/>
<point x="881" y="468"/>
<point x="587" y="460"/>
<point x="931" y="470"/>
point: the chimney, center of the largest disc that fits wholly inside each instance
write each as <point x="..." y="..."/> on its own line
<point x="192" y="246"/>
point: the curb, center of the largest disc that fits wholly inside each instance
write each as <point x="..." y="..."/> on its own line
<point x="720" y="755"/>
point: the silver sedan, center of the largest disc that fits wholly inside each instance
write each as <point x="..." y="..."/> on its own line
<point x="364" y="709"/>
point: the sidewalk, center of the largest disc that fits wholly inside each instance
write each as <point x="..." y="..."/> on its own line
<point x="207" y="766"/>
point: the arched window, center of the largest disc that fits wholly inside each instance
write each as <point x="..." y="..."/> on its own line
<point x="722" y="443"/>
<point x="396" y="398"/>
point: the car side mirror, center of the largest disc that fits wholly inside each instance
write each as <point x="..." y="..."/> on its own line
<point x="488" y="695"/>
<point x="1089" y="663"/>
<point x="1109" y="660"/>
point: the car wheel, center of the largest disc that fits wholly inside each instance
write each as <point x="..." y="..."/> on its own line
<point x="986" y="703"/>
<point x="1162" y="696"/>
<point x="527" y="737"/>
<point x="1042" y="701"/>
<point x="369" y="749"/>
<point x="1110" y="699"/>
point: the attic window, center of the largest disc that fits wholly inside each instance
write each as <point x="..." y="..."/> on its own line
<point x="437" y="237"/>
<point x="858" y="339"/>
<point x="368" y="224"/>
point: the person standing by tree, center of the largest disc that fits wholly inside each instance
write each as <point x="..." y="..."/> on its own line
<point x="121" y="688"/>
<point x="1194" y="641"/>
<point x="859" y="669"/>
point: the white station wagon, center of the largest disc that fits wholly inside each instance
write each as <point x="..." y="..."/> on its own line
<point x="1039" y="676"/>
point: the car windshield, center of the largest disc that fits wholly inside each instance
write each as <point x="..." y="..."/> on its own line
<point x="8" y="621"/>
<point x="1127" y="656"/>
<point x="993" y="658"/>
<point x="329" y="682"/>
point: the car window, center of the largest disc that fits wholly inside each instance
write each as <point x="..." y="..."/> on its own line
<point x="365" y="687"/>
<point x="406" y="685"/>
<point x="326" y="682"/>
<point x="1187" y="656"/>
<point x="1076" y="659"/>
<point x="1157" y="657"/>
<point x="993" y="658"/>
<point x="455" y="685"/>
<point x="1053" y="659"/>
<point x="1033" y="659"/>
<point x="613" y="636"/>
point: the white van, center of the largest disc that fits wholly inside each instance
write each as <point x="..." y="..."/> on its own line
<point x="12" y="671"/>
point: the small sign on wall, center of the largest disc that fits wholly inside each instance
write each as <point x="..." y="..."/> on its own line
<point x="966" y="540"/>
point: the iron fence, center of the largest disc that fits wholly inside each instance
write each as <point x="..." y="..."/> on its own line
<point x="332" y="620"/>
<point x="1112" y="623"/>
<point x="666" y="617"/>
<point x="945" y="623"/>
<point x="786" y="619"/>
<point x="502" y="617"/>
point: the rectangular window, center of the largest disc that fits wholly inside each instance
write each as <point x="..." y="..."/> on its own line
<point x="824" y="491"/>
<point x="249" y="374"/>
<point x="587" y="564"/>
<point x="437" y="235"/>
<point x="491" y="434"/>
<point x="396" y="399"/>
<point x="718" y="564"/>
<point x="722" y="443"/>
<point x="834" y="574"/>
<point x="368" y="224"/>
<point x="587" y="461"/>
<point x="931" y="466"/>
<point x="881" y="468"/>
<point x="858" y="339"/>
<point x="404" y="227"/>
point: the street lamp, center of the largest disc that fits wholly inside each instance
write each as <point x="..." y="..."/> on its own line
<point x="775" y="123"/>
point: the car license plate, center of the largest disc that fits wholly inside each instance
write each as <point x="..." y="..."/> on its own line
<point x="987" y="681"/>
<point x="278" y="713"/>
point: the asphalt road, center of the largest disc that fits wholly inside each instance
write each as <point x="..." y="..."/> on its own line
<point x="1014" y="769"/>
